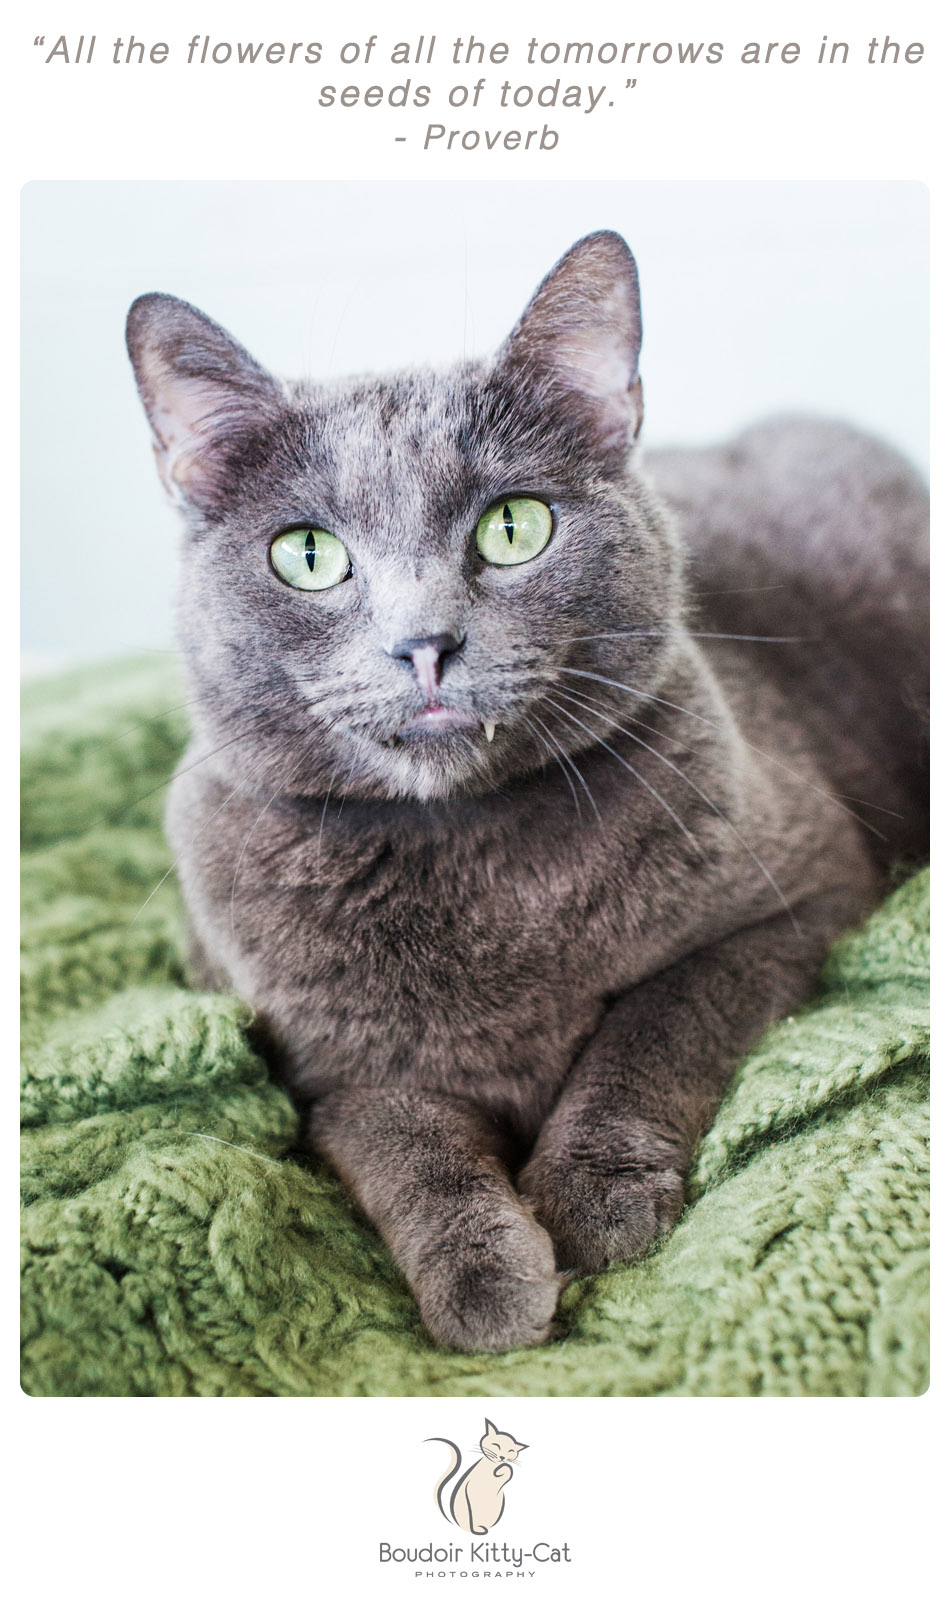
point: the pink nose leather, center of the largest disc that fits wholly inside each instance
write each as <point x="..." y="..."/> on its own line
<point x="427" y="656"/>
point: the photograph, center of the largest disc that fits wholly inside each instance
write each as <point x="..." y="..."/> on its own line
<point x="475" y="792"/>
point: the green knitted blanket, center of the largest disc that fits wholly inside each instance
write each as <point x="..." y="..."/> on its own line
<point x="176" y="1243"/>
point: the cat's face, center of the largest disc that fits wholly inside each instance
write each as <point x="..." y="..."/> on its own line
<point x="478" y="531"/>
<point x="498" y="1447"/>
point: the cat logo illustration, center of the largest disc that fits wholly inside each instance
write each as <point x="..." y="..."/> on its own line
<point x="477" y="1500"/>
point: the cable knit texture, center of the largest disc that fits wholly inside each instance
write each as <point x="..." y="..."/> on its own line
<point x="176" y="1243"/>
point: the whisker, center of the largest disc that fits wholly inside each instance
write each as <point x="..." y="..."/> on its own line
<point x="148" y="720"/>
<point x="262" y="708"/>
<point x="648" y="726"/>
<point x="249" y="731"/>
<point x="545" y="745"/>
<point x="346" y="788"/>
<point x="706" y="799"/>
<point x="323" y="815"/>
<point x="274" y="796"/>
<point x="694" y="715"/>
<point x="642" y="779"/>
<point x="702" y="754"/>
<point x="732" y="637"/>
<point x="573" y="767"/>
<point x="718" y="593"/>
<point x="203" y="827"/>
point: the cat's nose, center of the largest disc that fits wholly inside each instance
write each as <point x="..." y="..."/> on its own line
<point x="427" y="657"/>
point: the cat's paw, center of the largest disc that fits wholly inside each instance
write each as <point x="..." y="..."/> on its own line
<point x="493" y="1292"/>
<point x="599" y="1208"/>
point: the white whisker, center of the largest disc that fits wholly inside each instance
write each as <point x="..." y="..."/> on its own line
<point x="274" y="796"/>
<point x="573" y="767"/>
<point x="694" y="715"/>
<point x="256" y="726"/>
<point x="633" y="772"/>
<point x="346" y="788"/>
<point x="730" y="637"/>
<point x="323" y="816"/>
<point x="533" y="726"/>
<point x="202" y="828"/>
<point x="705" y="797"/>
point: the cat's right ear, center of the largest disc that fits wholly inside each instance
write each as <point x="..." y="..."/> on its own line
<point x="205" y="397"/>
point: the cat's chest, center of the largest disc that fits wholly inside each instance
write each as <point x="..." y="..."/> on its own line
<point x="430" y="952"/>
<point x="481" y="908"/>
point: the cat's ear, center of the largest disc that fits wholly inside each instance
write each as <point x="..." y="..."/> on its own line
<point x="580" y="337"/>
<point x="490" y="1429"/>
<point x="205" y="397"/>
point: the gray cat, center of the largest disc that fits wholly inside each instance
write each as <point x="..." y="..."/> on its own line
<point x="504" y="806"/>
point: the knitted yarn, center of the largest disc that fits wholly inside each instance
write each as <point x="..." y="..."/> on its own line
<point x="176" y="1242"/>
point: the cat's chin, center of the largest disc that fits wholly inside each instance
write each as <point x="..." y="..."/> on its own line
<point x="438" y="721"/>
<point x="429" y="763"/>
<point x="428" y="778"/>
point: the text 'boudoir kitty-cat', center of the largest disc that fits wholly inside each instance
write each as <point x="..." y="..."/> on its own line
<point x="480" y="1553"/>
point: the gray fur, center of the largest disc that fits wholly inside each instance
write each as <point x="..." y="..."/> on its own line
<point x="508" y="981"/>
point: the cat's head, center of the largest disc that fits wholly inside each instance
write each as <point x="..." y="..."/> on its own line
<point x="395" y="584"/>
<point x="498" y="1447"/>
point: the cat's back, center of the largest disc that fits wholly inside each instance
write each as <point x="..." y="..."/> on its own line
<point x="815" y="500"/>
<point x="807" y="529"/>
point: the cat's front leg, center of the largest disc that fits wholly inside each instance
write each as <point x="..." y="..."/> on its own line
<point x="428" y="1171"/>
<point x="606" y="1176"/>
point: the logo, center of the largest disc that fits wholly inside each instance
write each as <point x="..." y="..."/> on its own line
<point x="473" y="1499"/>
<point x="476" y="1501"/>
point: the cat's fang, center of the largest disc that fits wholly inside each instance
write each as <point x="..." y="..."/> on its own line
<point x="489" y="729"/>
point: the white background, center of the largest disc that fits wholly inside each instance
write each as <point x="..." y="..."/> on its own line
<point x="672" y="1496"/>
<point x="807" y="1497"/>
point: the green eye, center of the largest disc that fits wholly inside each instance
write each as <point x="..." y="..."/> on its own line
<point x="513" y="532"/>
<point x="309" y="558"/>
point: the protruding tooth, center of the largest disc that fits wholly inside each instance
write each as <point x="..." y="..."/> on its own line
<point x="489" y="729"/>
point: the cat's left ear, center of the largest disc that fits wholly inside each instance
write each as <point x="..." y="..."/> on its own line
<point x="580" y="338"/>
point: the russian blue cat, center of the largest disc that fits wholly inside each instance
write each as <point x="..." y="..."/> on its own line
<point x="519" y="803"/>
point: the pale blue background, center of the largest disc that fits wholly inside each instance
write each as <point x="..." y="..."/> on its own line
<point x="757" y="297"/>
